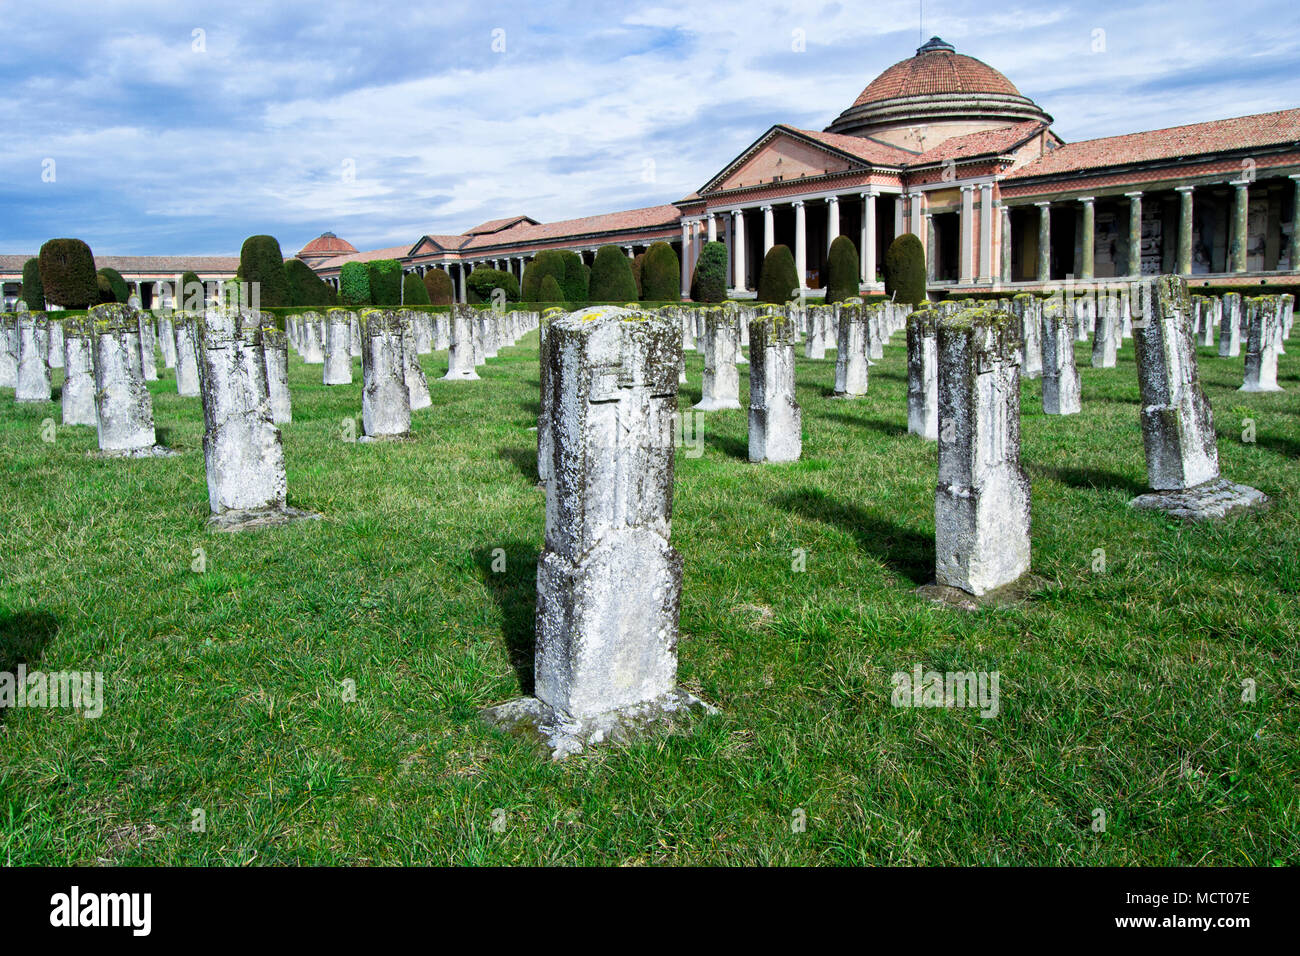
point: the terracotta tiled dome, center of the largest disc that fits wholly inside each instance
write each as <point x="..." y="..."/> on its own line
<point x="326" y="244"/>
<point x="935" y="69"/>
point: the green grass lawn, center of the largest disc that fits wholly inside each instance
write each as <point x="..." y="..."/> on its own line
<point x="1120" y="691"/>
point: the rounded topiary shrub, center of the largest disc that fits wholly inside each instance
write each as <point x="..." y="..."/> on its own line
<point x="709" y="284"/>
<point x="661" y="274"/>
<point x="637" y="262"/>
<point x="68" y="274"/>
<point x="842" y="265"/>
<point x="33" y="292"/>
<point x="576" y="279"/>
<point x="439" y="286"/>
<point x="778" y="279"/>
<point x="611" y="276"/>
<point x="120" y="291"/>
<point x="385" y="282"/>
<point x="482" y="282"/>
<point x="905" y="269"/>
<point x="413" y="290"/>
<point x="549" y="262"/>
<point x="354" y="284"/>
<point x="550" y="290"/>
<point x="191" y="294"/>
<point x="262" y="266"/>
<point x="306" y="288"/>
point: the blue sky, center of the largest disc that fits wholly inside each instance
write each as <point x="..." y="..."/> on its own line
<point x="385" y="121"/>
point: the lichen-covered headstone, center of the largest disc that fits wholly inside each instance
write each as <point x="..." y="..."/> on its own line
<point x="385" y="399"/>
<point x="123" y="405"/>
<point x="275" y="354"/>
<point x="1230" y="326"/>
<point x="721" y="381"/>
<point x="313" y="345"/>
<point x="78" y="392"/>
<point x="56" y="342"/>
<point x="460" y="355"/>
<point x="417" y="385"/>
<point x="354" y="335"/>
<point x="1213" y="316"/>
<point x="167" y="340"/>
<point x="1028" y="309"/>
<point x="923" y="374"/>
<point x="608" y="579"/>
<point x="148" y="351"/>
<point x="850" y="353"/>
<point x="1105" y="336"/>
<point x="337" y="349"/>
<point x="815" y="347"/>
<point x="877" y="331"/>
<point x="775" y="419"/>
<point x="1062" y="389"/>
<point x="187" y="358"/>
<point x="1182" y="451"/>
<point x="33" y="383"/>
<point x="8" y="350"/>
<point x="1262" y="339"/>
<point x="982" y="499"/>
<point x="547" y="399"/>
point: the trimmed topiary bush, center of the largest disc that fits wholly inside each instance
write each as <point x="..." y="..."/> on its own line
<point x="905" y="269"/>
<point x="549" y="262"/>
<point x="842" y="264"/>
<point x="119" y="290"/>
<point x="481" y="282"/>
<point x="191" y="293"/>
<point x="611" y="276"/>
<point x="33" y="292"/>
<point x="440" y="288"/>
<point x="661" y="274"/>
<point x="413" y="290"/>
<point x="779" y="279"/>
<point x="576" y="277"/>
<point x="550" y="290"/>
<point x="709" y="284"/>
<point x="386" y="282"/>
<point x="68" y="274"/>
<point x="354" y="284"/>
<point x="637" y="262"/>
<point x="260" y="262"/>
<point x="306" y="288"/>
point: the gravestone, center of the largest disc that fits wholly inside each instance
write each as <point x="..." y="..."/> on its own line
<point x="338" y="348"/>
<point x="608" y="579"/>
<point x="275" y="354"/>
<point x="460" y="356"/>
<point x="850" y="353"/>
<point x="923" y="374"/>
<point x="417" y="386"/>
<point x="385" y="398"/>
<point x="721" y="381"/>
<point x="1029" y="309"/>
<point x="815" y="347"/>
<point x="1178" y="437"/>
<point x="1230" y="326"/>
<point x="1062" y="389"/>
<point x="8" y="350"/>
<point x="123" y="405"/>
<point x="187" y="367"/>
<point x="775" y="419"/>
<point x="148" y="350"/>
<point x="33" y="384"/>
<point x="167" y="340"/>
<point x="56" y="343"/>
<point x="1105" y="336"/>
<point x="313" y="345"/>
<point x="78" y="392"/>
<point x="1262" y="338"/>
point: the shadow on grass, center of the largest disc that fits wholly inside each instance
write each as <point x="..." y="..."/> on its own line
<point x="731" y="447"/>
<point x="525" y="459"/>
<point x="533" y="407"/>
<point x="892" y="429"/>
<point x="1285" y="447"/>
<point x="900" y="549"/>
<point x="1087" y="478"/>
<point x="23" y="637"/>
<point x="515" y="591"/>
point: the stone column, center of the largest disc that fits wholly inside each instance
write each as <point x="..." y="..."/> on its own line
<point x="275" y="355"/>
<point x="1240" y="212"/>
<point x="686" y="259"/>
<point x="187" y="367"/>
<point x="721" y="382"/>
<point x="1044" y="241"/>
<point x="738" y="242"/>
<point x="775" y="419"/>
<point x="1061" y="385"/>
<point x="832" y="219"/>
<point x="931" y="249"/>
<point x="78" y="392"/>
<point x="923" y="374"/>
<point x="1230" y="324"/>
<point x="917" y="208"/>
<point x="1184" y="264"/>
<point x="8" y="351"/>
<point x="460" y="355"/>
<point x="981" y="508"/>
<point x="712" y="224"/>
<point x="417" y="386"/>
<point x="986" y="233"/>
<point x="338" y="348"/>
<point x="1134" y="233"/>
<point x="1004" y="244"/>
<point x="241" y="445"/>
<point x="868" y="244"/>
<point x="850" y="353"/>
<point x="1089" y="240"/>
<point x="1295" y="225"/>
<point x="967" y="246"/>
<point x="385" y="399"/>
<point x="1262" y="338"/>
<point x="608" y="580"/>
<point x="769" y="229"/>
<point x="33" y="380"/>
<point x="123" y="405"/>
<point x="800" y="244"/>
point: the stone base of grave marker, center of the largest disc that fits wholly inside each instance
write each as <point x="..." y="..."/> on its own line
<point x="1210" y="501"/>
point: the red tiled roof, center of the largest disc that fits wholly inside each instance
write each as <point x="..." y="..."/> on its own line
<point x="871" y="150"/>
<point x="935" y="72"/>
<point x="370" y="255"/>
<point x="982" y="143"/>
<point x="644" y="218"/>
<point x="496" y="225"/>
<point x="327" y="244"/>
<point x="1197" y="139"/>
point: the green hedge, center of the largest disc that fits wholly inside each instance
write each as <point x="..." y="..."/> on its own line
<point x="842" y="265"/>
<point x="548" y="262"/>
<point x="118" y="290"/>
<point x="354" y="284"/>
<point x="661" y="273"/>
<point x="905" y="269"/>
<point x="482" y="282"/>
<point x="68" y="277"/>
<point x="439" y="287"/>
<point x="306" y="288"/>
<point x="611" y="277"/>
<point x="414" y="291"/>
<point x="260" y="262"/>
<point x="778" y="279"/>
<point x="709" y="284"/>
<point x="385" y="283"/>
<point x="33" y="293"/>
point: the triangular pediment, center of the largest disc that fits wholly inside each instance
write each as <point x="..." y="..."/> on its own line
<point x="781" y="155"/>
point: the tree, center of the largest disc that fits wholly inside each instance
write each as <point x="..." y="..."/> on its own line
<point x="550" y="290"/>
<point x="778" y="279"/>
<point x="547" y="262"/>
<point x="354" y="284"/>
<point x="68" y="274"/>
<point x="414" y="291"/>
<point x="33" y="292"/>
<point x="118" y="288"/>
<point x="575" y="280"/>
<point x="191" y="293"/>
<point x="439" y="286"/>
<point x="386" y="282"/>
<point x="661" y="274"/>
<point x="611" y="277"/>
<point x="842" y="265"/>
<point x="905" y="269"/>
<point x="709" y="284"/>
<point x="104" y="289"/>
<point x="261" y="265"/>
<point x="482" y="282"/>
<point x="306" y="288"/>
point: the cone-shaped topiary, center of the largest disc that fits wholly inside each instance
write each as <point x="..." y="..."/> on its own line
<point x="354" y="284"/>
<point x="68" y="274"/>
<point x="550" y="290"/>
<point x="386" y="282"/>
<point x="548" y="262"/>
<point x="191" y="294"/>
<point x="709" y="283"/>
<point x="414" y="291"/>
<point x="778" y="279"/>
<point x="306" y="288"/>
<point x="575" y="279"/>
<point x="842" y="266"/>
<point x="260" y="262"/>
<point x="905" y="269"/>
<point x="33" y="292"/>
<point x="611" y="276"/>
<point x="661" y="274"/>
<point x="439" y="286"/>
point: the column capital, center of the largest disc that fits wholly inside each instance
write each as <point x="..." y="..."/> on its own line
<point x="871" y="192"/>
<point x="1295" y="176"/>
<point x="736" y="213"/>
<point x="832" y="199"/>
<point x="1184" y="189"/>
<point x="1087" y="200"/>
<point x="1136" y="195"/>
<point x="968" y="187"/>
<point x="766" y="208"/>
<point x="797" y="203"/>
<point x="1045" y="202"/>
<point x="1239" y="183"/>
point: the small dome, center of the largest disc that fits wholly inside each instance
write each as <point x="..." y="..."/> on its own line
<point x="327" y="244"/>
<point x="936" y="69"/>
